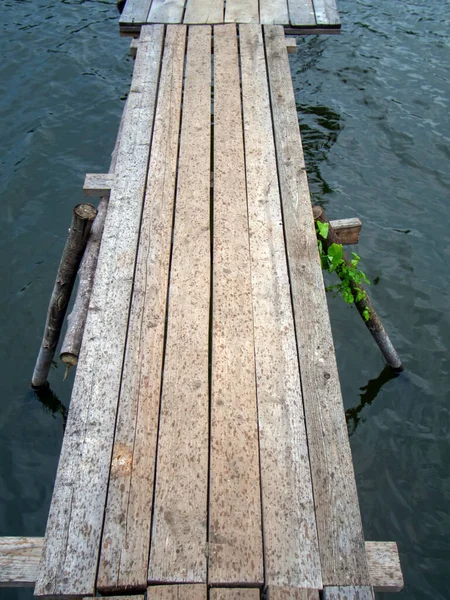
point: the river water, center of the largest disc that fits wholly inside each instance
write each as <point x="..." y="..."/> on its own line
<point x="374" y="108"/>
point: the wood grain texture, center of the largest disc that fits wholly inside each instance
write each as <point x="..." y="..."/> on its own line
<point x="301" y="12"/>
<point x="348" y="593"/>
<point x="199" y="11"/>
<point x="98" y="184"/>
<point x="273" y="12"/>
<point x="289" y="593"/>
<point x="70" y="558"/>
<point x="384" y="566"/>
<point x="19" y="560"/>
<point x="341" y="539"/>
<point x="291" y="560"/>
<point x="179" y="531"/>
<point x="135" y="11"/>
<point x="235" y="550"/>
<point x="177" y="592"/>
<point x="242" y="11"/>
<point x="326" y="12"/>
<point x="234" y="594"/>
<point x="166" y="11"/>
<point x="126" y="536"/>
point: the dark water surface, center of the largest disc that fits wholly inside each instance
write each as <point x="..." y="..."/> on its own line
<point x="374" y="109"/>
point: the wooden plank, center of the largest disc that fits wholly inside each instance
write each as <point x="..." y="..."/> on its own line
<point x="234" y="594"/>
<point x="384" y="566"/>
<point x="98" y="184"/>
<point x="289" y="593"/>
<point x="341" y="539"/>
<point x="301" y="12"/>
<point x="235" y="550"/>
<point x="135" y="11"/>
<point x="199" y="11"/>
<point x="348" y="593"/>
<point x="19" y="560"/>
<point x="179" y="534"/>
<point x="287" y="500"/>
<point x="242" y="11"/>
<point x="22" y="568"/>
<point x="326" y="12"/>
<point x="166" y="11"/>
<point x="70" y="558"/>
<point x="274" y="12"/>
<point x="126" y="535"/>
<point x="177" y="592"/>
<point x="347" y="230"/>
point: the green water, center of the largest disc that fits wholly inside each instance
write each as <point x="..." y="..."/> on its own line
<point x="373" y="104"/>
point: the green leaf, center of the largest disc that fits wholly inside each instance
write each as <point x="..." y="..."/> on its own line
<point x="323" y="229"/>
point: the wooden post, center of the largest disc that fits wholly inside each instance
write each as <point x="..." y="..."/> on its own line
<point x="373" y="324"/>
<point x="83" y="215"/>
<point x="71" y="345"/>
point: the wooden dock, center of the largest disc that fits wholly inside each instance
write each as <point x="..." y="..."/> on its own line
<point x="206" y="452"/>
<point x="297" y="16"/>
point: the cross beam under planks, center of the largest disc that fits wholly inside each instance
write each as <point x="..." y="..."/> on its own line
<point x="186" y="457"/>
<point x="298" y="16"/>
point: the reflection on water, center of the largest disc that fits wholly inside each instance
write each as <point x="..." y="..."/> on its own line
<point x="51" y="402"/>
<point x="370" y="392"/>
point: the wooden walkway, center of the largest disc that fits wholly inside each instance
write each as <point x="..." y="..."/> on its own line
<point x="206" y="452"/>
<point x="298" y="16"/>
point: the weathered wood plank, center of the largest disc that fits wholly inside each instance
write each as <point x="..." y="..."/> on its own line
<point x="199" y="11"/>
<point x="234" y="594"/>
<point x="384" y="566"/>
<point x="135" y="11"/>
<point x="348" y="593"/>
<point x="70" y="559"/>
<point x="179" y="534"/>
<point x="347" y="230"/>
<point x="177" y="592"/>
<point x="166" y="11"/>
<point x="341" y="539"/>
<point x="274" y="12"/>
<point x="98" y="184"/>
<point x="301" y="12"/>
<point x="287" y="500"/>
<point x="326" y="12"/>
<point x="235" y="510"/>
<point x="242" y="11"/>
<point x="126" y="535"/>
<point x="19" y="560"/>
<point x="289" y="593"/>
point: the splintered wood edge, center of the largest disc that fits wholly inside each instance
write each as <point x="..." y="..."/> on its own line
<point x="20" y="558"/>
<point x="98" y="184"/>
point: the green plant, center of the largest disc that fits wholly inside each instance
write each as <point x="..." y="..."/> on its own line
<point x="351" y="277"/>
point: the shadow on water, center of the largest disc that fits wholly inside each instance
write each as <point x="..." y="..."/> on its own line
<point x="51" y="402"/>
<point x="370" y="392"/>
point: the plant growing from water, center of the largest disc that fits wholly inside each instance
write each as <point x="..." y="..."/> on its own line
<point x="350" y="275"/>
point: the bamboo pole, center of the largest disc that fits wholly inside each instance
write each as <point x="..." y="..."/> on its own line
<point x="83" y="215"/>
<point x="71" y="345"/>
<point x="373" y="324"/>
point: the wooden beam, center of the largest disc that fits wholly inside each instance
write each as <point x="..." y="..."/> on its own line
<point x="384" y="566"/>
<point x="351" y="592"/>
<point x="291" y="593"/>
<point x="134" y="45"/>
<point x="234" y="594"/>
<point x="98" y="184"/>
<point x="183" y="591"/>
<point x="291" y="45"/>
<point x="20" y="557"/>
<point x="347" y="230"/>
